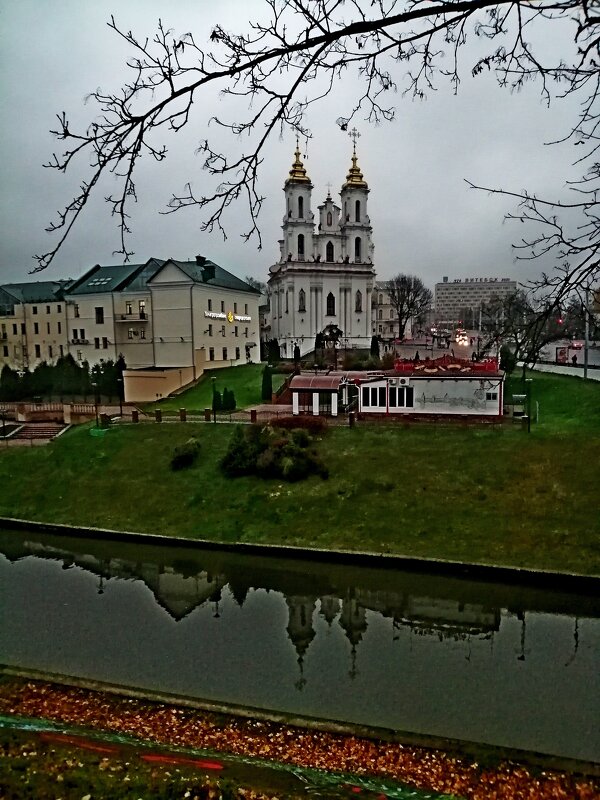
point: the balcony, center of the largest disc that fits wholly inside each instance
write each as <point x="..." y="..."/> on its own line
<point x="139" y="316"/>
<point x="80" y="341"/>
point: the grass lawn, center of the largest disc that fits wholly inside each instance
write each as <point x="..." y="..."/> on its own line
<point x="245" y="381"/>
<point x="482" y="494"/>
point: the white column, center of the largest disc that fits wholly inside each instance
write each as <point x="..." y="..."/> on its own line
<point x="315" y="399"/>
<point x="295" y="403"/>
<point x="334" y="404"/>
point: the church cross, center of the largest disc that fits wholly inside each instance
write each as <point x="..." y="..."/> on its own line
<point x="354" y="135"/>
<point x="328" y="185"/>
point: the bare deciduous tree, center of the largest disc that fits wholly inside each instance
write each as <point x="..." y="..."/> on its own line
<point x="280" y="67"/>
<point x="409" y="297"/>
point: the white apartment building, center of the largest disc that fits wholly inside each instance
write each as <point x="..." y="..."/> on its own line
<point x="459" y="301"/>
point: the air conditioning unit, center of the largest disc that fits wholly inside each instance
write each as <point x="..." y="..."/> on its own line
<point x="393" y="382"/>
<point x="403" y="381"/>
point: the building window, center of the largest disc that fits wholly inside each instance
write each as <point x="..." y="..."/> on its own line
<point x="96" y="343"/>
<point x="74" y="334"/>
<point x="79" y="355"/>
<point x="392" y="397"/>
<point x="36" y="328"/>
<point x="210" y="333"/>
<point x="224" y="354"/>
<point x="76" y="310"/>
<point x="15" y="329"/>
<point x="287" y="302"/>
<point x="59" y="327"/>
<point x="235" y="308"/>
<point x="301" y="246"/>
<point x="48" y="327"/>
<point x="365" y="397"/>
<point x="50" y="353"/>
<point x="301" y="207"/>
<point x="211" y="353"/>
<point x="357" y="211"/>
<point x="406" y="397"/>
<point x="129" y="307"/>
<point x="302" y="301"/>
<point x="209" y="304"/>
<point x="82" y="333"/>
<point x="245" y="308"/>
<point x="130" y="333"/>
<point x="5" y="350"/>
<point x="357" y="248"/>
<point x="329" y="252"/>
<point x="222" y="305"/>
<point x="237" y="353"/>
<point x="143" y="333"/>
<point x="329" y="219"/>
<point x="60" y="348"/>
<point x="380" y="314"/>
<point x="491" y="395"/>
<point x="47" y="309"/>
<point x="391" y="313"/>
<point x="222" y="330"/>
<point x="58" y="308"/>
<point x="330" y="305"/>
<point x="358" y="302"/>
<point x="142" y="306"/>
<point x="236" y="331"/>
<point x="380" y="329"/>
<point x="246" y="332"/>
<point x="38" y="351"/>
<point x="104" y="343"/>
<point x="380" y="299"/>
<point x="34" y="309"/>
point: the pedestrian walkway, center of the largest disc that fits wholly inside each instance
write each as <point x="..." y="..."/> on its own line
<point x="562" y="369"/>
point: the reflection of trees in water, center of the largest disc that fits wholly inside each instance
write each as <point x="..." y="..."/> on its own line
<point x="183" y="586"/>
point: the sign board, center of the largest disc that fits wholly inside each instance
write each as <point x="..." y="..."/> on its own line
<point x="562" y="354"/>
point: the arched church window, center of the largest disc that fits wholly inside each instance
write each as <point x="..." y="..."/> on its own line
<point x="300" y="245"/>
<point x="329" y="253"/>
<point x="358" y="301"/>
<point x="302" y="301"/>
<point x="357" y="248"/>
<point x="330" y="305"/>
<point x="301" y="207"/>
<point x="329" y="219"/>
<point x="357" y="211"/>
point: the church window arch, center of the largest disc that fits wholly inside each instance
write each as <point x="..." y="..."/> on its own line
<point x="358" y="301"/>
<point x="302" y="301"/>
<point x="300" y="245"/>
<point x="330" y="305"/>
<point x="329" y="219"/>
<point x="301" y="207"/>
<point x="329" y="252"/>
<point x="357" y="248"/>
<point x="357" y="211"/>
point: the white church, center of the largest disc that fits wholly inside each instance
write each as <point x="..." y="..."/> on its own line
<point x="324" y="276"/>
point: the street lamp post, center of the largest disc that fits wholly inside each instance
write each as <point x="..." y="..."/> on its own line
<point x="528" y="382"/>
<point x="95" y="388"/>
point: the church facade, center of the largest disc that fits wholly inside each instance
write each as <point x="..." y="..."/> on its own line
<point x="325" y="273"/>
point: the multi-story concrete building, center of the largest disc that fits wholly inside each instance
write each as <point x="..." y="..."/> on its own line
<point x="460" y="301"/>
<point x="32" y="323"/>
<point x="168" y="319"/>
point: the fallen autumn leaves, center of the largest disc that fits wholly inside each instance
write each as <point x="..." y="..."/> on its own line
<point x="425" y="769"/>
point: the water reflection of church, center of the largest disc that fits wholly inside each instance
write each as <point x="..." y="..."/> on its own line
<point x="181" y="586"/>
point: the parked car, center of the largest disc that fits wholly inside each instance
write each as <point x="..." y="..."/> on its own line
<point x="576" y="345"/>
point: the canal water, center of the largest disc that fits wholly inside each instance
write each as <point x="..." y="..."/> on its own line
<point x="506" y="665"/>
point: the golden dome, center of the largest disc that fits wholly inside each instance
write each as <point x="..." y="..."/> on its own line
<point x="297" y="172"/>
<point x="355" y="178"/>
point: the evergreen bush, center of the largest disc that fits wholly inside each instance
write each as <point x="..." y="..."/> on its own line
<point x="185" y="454"/>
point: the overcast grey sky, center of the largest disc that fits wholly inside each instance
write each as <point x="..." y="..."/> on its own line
<point x="425" y="219"/>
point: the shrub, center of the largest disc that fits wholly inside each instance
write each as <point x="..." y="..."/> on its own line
<point x="387" y="361"/>
<point x="307" y="422"/>
<point x="185" y="454"/>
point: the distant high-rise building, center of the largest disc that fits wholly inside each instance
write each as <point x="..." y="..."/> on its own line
<point x="459" y="301"/>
